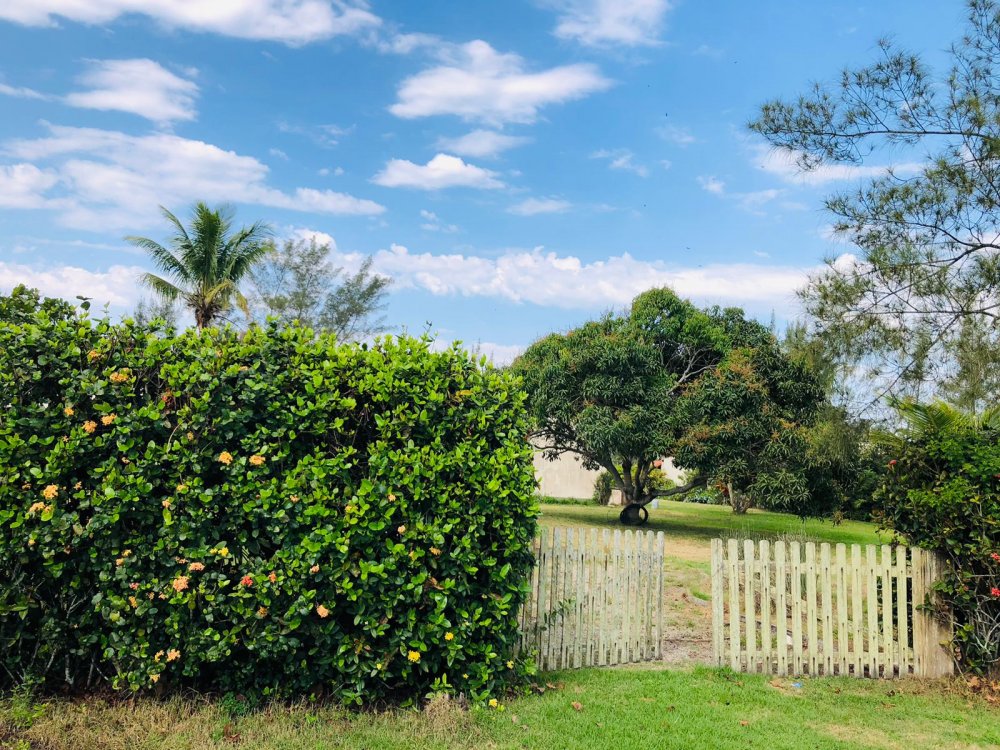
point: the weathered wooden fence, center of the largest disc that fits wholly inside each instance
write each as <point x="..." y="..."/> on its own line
<point x="596" y="598"/>
<point x="812" y="609"/>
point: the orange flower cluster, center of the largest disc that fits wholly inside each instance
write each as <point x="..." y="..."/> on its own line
<point x="36" y="508"/>
<point x="322" y="611"/>
<point x="225" y="458"/>
<point x="314" y="569"/>
<point x="108" y="419"/>
<point x="120" y="376"/>
<point x="246" y="581"/>
<point x="256" y="459"/>
<point x="89" y="426"/>
<point x="173" y="654"/>
<point x="180" y="583"/>
<point x="196" y="567"/>
<point x="272" y="576"/>
<point x="50" y="491"/>
<point x="68" y="411"/>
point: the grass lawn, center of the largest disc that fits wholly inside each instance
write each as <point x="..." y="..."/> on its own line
<point x="611" y="708"/>
<point x="696" y="524"/>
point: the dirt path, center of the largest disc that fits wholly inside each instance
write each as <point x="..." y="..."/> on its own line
<point x="687" y="622"/>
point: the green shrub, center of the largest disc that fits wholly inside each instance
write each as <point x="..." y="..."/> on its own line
<point x="942" y="492"/>
<point x="604" y="485"/>
<point x="269" y="513"/>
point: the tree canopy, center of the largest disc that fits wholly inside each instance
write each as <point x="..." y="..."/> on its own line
<point x="708" y="387"/>
<point x="204" y="265"/>
<point x="295" y="281"/>
<point x="924" y="280"/>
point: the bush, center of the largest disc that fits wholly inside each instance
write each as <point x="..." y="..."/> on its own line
<point x="942" y="492"/>
<point x="604" y="485"/>
<point x="268" y="513"/>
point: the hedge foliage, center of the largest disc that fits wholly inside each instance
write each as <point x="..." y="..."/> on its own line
<point x="267" y="512"/>
<point x="942" y="492"/>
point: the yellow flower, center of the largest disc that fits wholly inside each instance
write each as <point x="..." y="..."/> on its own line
<point x="294" y="498"/>
<point x="133" y="602"/>
<point x="93" y="354"/>
<point x="392" y="498"/>
<point x="158" y="656"/>
<point x="413" y="656"/>
<point x="401" y="529"/>
<point x="449" y="636"/>
<point x="68" y="411"/>
<point x="190" y="436"/>
<point x="465" y="676"/>
<point x="226" y="458"/>
<point x="120" y="561"/>
<point x="272" y="576"/>
<point x="494" y="703"/>
<point x="314" y="569"/>
<point x="36" y="508"/>
<point x="256" y="459"/>
<point x="108" y="419"/>
<point x="50" y="492"/>
<point x="180" y="583"/>
<point x="182" y="487"/>
<point x="78" y="486"/>
<point x="195" y="567"/>
<point x="349" y="509"/>
<point x="119" y="377"/>
<point x="510" y="665"/>
<point x="89" y="426"/>
<point x="166" y="503"/>
<point x="322" y="611"/>
<point x="173" y="654"/>
<point x="378" y="666"/>
<point x="435" y="551"/>
<point x="126" y="553"/>
<point x="262" y="612"/>
<point x="154" y="678"/>
<point x="223" y="552"/>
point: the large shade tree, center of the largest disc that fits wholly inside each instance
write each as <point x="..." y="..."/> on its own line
<point x="624" y="391"/>
<point x="917" y="303"/>
<point x="205" y="263"/>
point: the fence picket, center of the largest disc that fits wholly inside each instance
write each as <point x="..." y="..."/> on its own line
<point x="796" y="580"/>
<point x="843" y="629"/>
<point x="781" y="607"/>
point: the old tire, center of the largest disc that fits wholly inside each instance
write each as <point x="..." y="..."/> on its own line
<point x="633" y="514"/>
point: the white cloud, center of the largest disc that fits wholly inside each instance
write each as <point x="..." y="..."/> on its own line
<point x="108" y="180"/>
<point x="117" y="287"/>
<point x="481" y="143"/>
<point x="288" y="21"/>
<point x="25" y="186"/>
<point x="141" y="87"/>
<point x="548" y="279"/>
<point x="443" y="171"/>
<point x="534" y="206"/>
<point x="675" y="134"/>
<point x="712" y="185"/>
<point x="20" y="92"/>
<point x="782" y="163"/>
<point x="432" y="223"/>
<point x="611" y="22"/>
<point x="477" y="83"/>
<point x="312" y="235"/>
<point x="623" y="159"/>
<point x="404" y="44"/>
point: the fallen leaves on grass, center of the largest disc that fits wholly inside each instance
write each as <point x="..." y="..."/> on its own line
<point x="577" y="706"/>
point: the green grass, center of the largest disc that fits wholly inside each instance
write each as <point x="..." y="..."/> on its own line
<point x="696" y="522"/>
<point x="615" y="708"/>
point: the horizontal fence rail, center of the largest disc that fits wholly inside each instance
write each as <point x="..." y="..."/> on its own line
<point x="794" y="609"/>
<point x="596" y="598"/>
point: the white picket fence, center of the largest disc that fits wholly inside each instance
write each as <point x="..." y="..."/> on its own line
<point x="596" y="598"/>
<point x="812" y="609"/>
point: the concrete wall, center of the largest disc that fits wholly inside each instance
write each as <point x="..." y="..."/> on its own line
<point x="566" y="477"/>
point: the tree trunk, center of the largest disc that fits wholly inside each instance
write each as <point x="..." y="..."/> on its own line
<point x="739" y="501"/>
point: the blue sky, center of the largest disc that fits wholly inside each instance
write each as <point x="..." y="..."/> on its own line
<point x="517" y="167"/>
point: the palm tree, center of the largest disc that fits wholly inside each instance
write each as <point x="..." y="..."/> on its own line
<point x="204" y="266"/>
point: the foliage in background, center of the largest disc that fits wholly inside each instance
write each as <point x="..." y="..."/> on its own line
<point x="604" y="485"/>
<point x="942" y="492"/>
<point x="295" y="282"/>
<point x="918" y="299"/>
<point x="205" y="264"/>
<point x="269" y="513"/>
<point x="708" y="387"/>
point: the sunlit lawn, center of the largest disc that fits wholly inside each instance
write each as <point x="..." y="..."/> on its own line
<point x="611" y="708"/>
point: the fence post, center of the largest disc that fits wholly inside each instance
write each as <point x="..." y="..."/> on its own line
<point x="931" y="637"/>
<point x="717" y="608"/>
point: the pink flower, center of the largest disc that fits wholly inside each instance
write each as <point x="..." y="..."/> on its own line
<point x="246" y="581"/>
<point x="995" y="592"/>
<point x="995" y="556"/>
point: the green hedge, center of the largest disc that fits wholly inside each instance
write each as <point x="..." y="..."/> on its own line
<point x="265" y="512"/>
